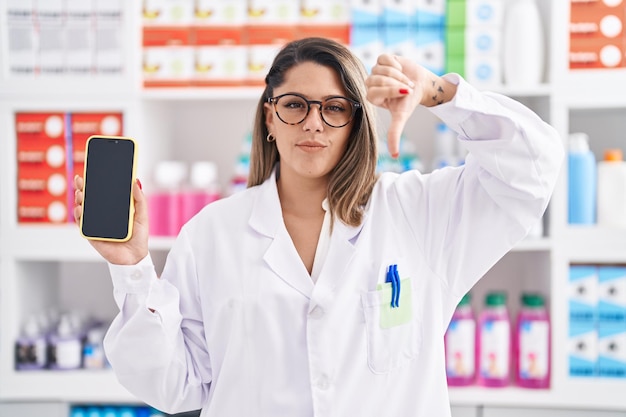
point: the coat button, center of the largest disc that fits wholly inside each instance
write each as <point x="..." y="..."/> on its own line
<point x="317" y="312"/>
<point x="323" y="382"/>
<point x="136" y="275"/>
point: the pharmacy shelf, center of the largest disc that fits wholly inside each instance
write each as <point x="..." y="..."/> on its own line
<point x="571" y="395"/>
<point x="595" y="244"/>
<point x="84" y="386"/>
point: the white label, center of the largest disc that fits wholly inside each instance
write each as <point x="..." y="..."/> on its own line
<point x="495" y="349"/>
<point x="533" y="349"/>
<point x="460" y="348"/>
<point x="68" y="354"/>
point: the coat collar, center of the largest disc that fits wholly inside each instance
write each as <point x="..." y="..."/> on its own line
<point x="281" y="255"/>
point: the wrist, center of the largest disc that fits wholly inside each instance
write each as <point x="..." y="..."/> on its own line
<point x="437" y="91"/>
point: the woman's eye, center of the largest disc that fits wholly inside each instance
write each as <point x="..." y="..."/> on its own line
<point x="333" y="108"/>
<point x="294" y="105"/>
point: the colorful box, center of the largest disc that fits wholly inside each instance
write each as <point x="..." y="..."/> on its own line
<point x="582" y="349"/>
<point x="367" y="44"/>
<point x="612" y="350"/>
<point x="168" y="57"/>
<point x="42" y="168"/>
<point x="612" y="295"/>
<point x="583" y="293"/>
<point x="220" y="56"/>
<point x="594" y="53"/>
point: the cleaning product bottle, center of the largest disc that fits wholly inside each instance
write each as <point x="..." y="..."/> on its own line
<point x="532" y="346"/>
<point x="65" y="346"/>
<point x="460" y="342"/>
<point x="30" y="348"/>
<point x="494" y="342"/>
<point x="203" y="189"/>
<point x="582" y="177"/>
<point x="523" y="44"/>
<point x="611" y="204"/>
<point x="164" y="203"/>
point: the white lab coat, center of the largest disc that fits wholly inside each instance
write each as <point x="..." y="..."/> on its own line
<point x="240" y="328"/>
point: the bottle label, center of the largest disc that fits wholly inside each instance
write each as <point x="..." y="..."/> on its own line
<point x="494" y="349"/>
<point x="31" y="354"/>
<point x="533" y="349"/>
<point x="460" y="348"/>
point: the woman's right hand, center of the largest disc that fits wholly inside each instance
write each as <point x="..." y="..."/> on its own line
<point x="120" y="253"/>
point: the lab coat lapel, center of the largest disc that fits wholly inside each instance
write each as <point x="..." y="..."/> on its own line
<point x="281" y="255"/>
<point x="340" y="253"/>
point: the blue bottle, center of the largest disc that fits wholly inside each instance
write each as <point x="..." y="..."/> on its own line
<point x="582" y="180"/>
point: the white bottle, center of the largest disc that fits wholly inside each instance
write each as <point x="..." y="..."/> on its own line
<point x="524" y="44"/>
<point x="611" y="210"/>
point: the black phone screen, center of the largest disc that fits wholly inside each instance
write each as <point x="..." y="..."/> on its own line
<point x="108" y="188"/>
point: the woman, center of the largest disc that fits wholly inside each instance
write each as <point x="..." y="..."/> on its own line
<point x="323" y="289"/>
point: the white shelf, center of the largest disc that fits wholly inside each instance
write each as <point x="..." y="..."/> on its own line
<point x="595" y="244"/>
<point x="574" y="395"/>
<point x="84" y="386"/>
<point x="202" y="93"/>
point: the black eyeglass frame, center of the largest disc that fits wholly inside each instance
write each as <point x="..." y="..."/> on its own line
<point x="355" y="106"/>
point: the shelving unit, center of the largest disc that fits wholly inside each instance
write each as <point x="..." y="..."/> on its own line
<point x="41" y="266"/>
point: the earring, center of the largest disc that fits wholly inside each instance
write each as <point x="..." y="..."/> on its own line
<point x="270" y="137"/>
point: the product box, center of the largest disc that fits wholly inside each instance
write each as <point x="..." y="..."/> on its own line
<point x="612" y="295"/>
<point x="612" y="350"/>
<point x="596" y="19"/>
<point x="484" y="13"/>
<point x="597" y="53"/>
<point x="21" y="58"/>
<point x="316" y="12"/>
<point x="582" y="349"/>
<point x="219" y="13"/>
<point x="42" y="168"/>
<point x="168" y="57"/>
<point x="366" y="13"/>
<point x="80" y="36"/>
<point x="456" y="14"/>
<point x="83" y="125"/>
<point x="483" y="71"/>
<point x="583" y="293"/>
<point x="367" y="44"/>
<point x="397" y="12"/>
<point x="264" y="44"/>
<point x="273" y="12"/>
<point x="220" y="56"/>
<point x="429" y="48"/>
<point x="108" y="10"/>
<point x="397" y="40"/>
<point x="167" y="12"/>
<point x="483" y="41"/>
<point x="429" y="14"/>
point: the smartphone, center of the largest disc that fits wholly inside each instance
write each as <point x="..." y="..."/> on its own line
<point x="108" y="205"/>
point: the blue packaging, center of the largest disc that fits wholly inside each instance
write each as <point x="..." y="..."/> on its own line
<point x="581" y="180"/>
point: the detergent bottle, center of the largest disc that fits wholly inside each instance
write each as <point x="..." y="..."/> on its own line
<point x="532" y="347"/>
<point x="460" y="342"/>
<point x="494" y="342"/>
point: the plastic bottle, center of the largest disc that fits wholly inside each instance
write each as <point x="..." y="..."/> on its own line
<point x="30" y="348"/>
<point x="581" y="178"/>
<point x="460" y="343"/>
<point x="93" y="349"/>
<point x="494" y="342"/>
<point x="524" y="44"/>
<point x="204" y="189"/>
<point x="532" y="347"/>
<point x="164" y="203"/>
<point x="65" y="346"/>
<point x="611" y="198"/>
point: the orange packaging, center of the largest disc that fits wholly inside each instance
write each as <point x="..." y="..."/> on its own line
<point x="264" y="44"/>
<point x="167" y="56"/>
<point x="597" y="53"/>
<point x="83" y="125"/>
<point x="220" y="57"/>
<point x="595" y="19"/>
<point x="339" y="33"/>
<point x="42" y="185"/>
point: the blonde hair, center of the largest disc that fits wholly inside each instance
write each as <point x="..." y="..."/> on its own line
<point x="353" y="178"/>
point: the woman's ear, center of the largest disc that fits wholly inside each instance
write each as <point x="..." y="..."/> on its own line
<point x="269" y="116"/>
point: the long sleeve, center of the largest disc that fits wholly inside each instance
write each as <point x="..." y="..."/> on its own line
<point x="470" y="216"/>
<point x="156" y="354"/>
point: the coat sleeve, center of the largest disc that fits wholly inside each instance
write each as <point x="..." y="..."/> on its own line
<point x="469" y="217"/>
<point x="160" y="356"/>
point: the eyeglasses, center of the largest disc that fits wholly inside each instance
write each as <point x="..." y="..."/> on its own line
<point x="293" y="108"/>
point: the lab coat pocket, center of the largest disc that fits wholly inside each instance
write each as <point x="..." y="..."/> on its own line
<point x="393" y="333"/>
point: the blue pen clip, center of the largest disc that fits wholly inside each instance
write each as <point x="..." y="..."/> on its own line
<point x="394" y="278"/>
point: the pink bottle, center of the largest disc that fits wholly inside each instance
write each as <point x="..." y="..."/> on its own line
<point x="494" y="342"/>
<point x="164" y="202"/>
<point x="460" y="342"/>
<point x="532" y="343"/>
<point x="204" y="189"/>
